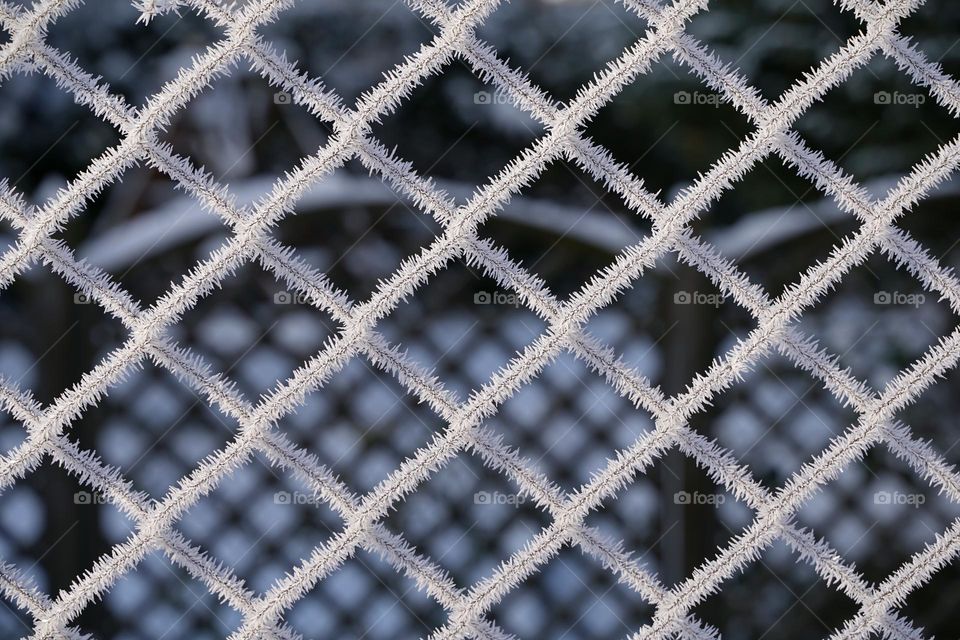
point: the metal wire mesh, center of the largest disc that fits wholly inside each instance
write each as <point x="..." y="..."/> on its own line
<point x="358" y="498"/>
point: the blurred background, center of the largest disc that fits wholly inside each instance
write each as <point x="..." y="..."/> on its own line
<point x="668" y="127"/>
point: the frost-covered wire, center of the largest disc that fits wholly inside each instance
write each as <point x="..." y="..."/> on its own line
<point x="459" y="238"/>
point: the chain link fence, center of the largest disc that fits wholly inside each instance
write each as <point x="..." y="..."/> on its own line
<point x="557" y="405"/>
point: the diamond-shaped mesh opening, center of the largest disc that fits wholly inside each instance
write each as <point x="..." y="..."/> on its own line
<point x="356" y="230"/>
<point x="877" y="107"/>
<point x="51" y="526"/>
<point x="572" y="596"/>
<point x="561" y="44"/>
<point x="674" y="328"/>
<point x="25" y="531"/>
<point x="362" y="424"/>
<point x="350" y="45"/>
<point x="233" y="328"/>
<point x="565" y="240"/>
<point x="262" y="132"/>
<point x="662" y="519"/>
<point x="569" y="422"/>
<point x="368" y="598"/>
<point x="160" y="437"/>
<point x="260" y="534"/>
<point x="455" y="327"/>
<point x="635" y="332"/>
<point x="633" y="516"/>
<point x="141" y="231"/>
<point x="191" y="611"/>
<point x="670" y="133"/>
<point x="78" y="336"/>
<point x="47" y="138"/>
<point x="774" y="43"/>
<point x="567" y="187"/>
<point x="96" y="36"/>
<point x="690" y="299"/>
<point x="469" y="519"/>
<point x="790" y="220"/>
<point x="470" y="145"/>
<point x="794" y="602"/>
<point x="880" y="504"/>
<point x="779" y="418"/>
<point x="884" y="331"/>
<point x="797" y="227"/>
